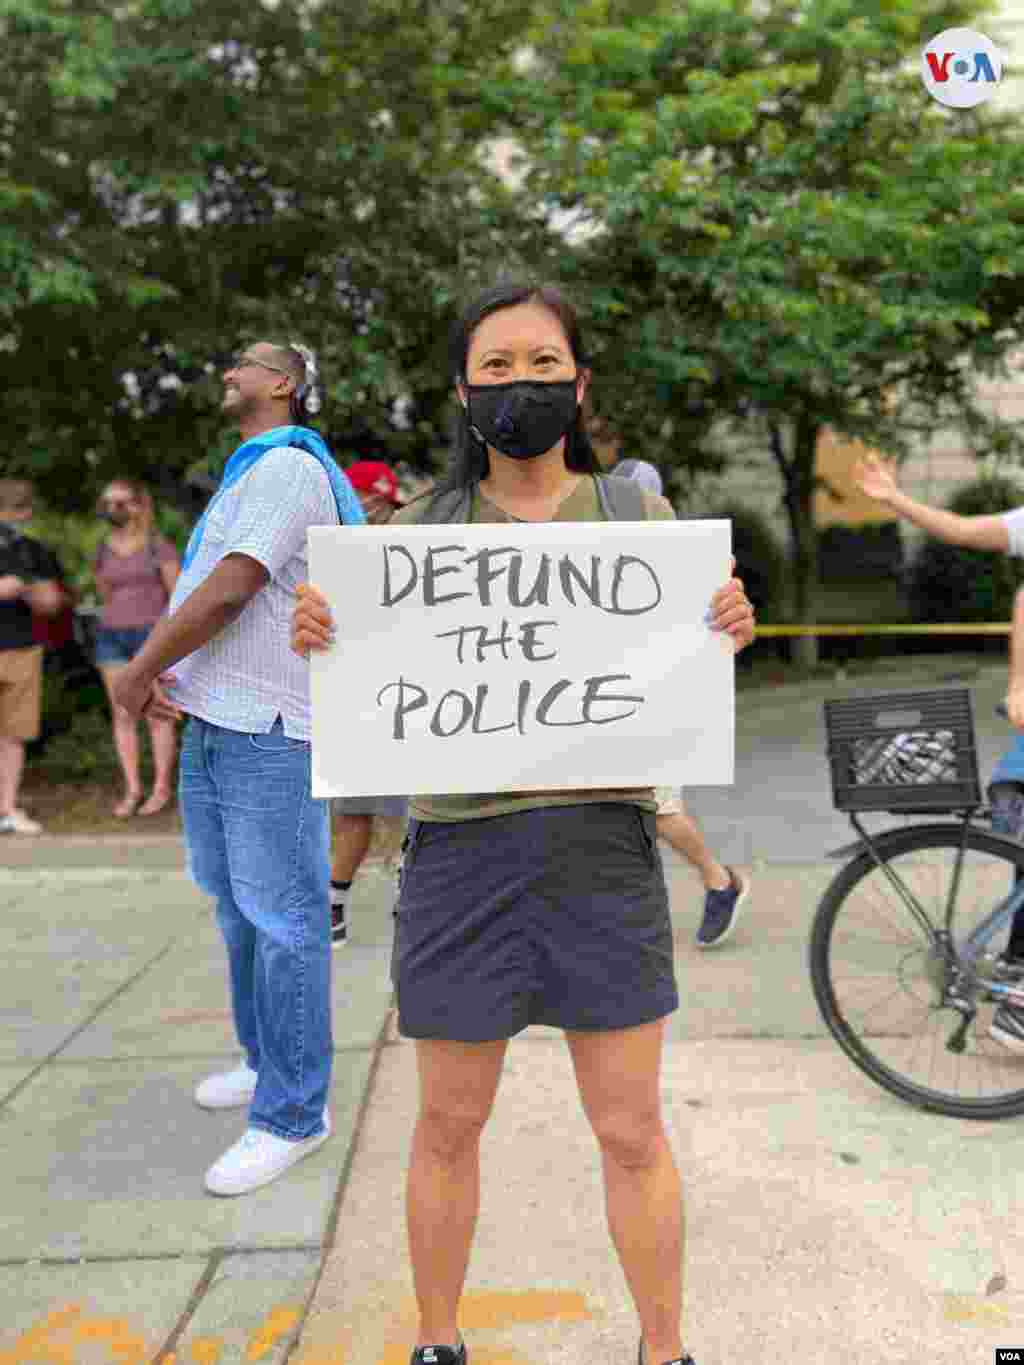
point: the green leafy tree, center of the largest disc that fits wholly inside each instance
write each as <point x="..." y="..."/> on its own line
<point x="776" y="225"/>
<point x="179" y="176"/>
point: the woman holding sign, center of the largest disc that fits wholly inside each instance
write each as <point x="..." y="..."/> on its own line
<point x="542" y="907"/>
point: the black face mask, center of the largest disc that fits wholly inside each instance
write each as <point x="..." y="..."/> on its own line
<point x="522" y="419"/>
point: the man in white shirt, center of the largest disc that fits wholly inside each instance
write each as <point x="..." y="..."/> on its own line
<point x="256" y="839"/>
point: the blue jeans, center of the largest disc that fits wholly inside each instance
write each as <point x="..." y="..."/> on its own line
<point x="260" y="844"/>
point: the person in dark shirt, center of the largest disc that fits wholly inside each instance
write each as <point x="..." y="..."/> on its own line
<point x="29" y="584"/>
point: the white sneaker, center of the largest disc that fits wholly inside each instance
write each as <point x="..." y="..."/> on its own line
<point x="19" y="823"/>
<point x="257" y="1158"/>
<point x="228" y="1089"/>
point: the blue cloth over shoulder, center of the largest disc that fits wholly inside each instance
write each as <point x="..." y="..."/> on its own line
<point x="350" y="509"/>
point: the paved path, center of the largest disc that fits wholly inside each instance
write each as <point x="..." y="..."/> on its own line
<point x="825" y="1219"/>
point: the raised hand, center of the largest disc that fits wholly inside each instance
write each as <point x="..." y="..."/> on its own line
<point x="874" y="477"/>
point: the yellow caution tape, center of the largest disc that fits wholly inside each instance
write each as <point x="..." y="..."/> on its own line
<point x="977" y="628"/>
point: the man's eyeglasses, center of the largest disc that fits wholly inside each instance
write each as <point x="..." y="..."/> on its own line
<point x="239" y="362"/>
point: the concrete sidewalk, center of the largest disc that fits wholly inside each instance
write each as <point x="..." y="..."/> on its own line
<point x="821" y="1212"/>
<point x="825" y="1218"/>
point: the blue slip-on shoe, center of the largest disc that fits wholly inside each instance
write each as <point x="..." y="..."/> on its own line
<point x="721" y="910"/>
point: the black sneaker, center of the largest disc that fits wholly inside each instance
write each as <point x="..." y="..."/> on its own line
<point x="721" y="910"/>
<point x="440" y="1355"/>
<point x="683" y="1360"/>
<point x="339" y="932"/>
<point x="1007" y="1027"/>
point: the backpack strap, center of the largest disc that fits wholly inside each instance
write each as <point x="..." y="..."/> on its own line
<point x="621" y="499"/>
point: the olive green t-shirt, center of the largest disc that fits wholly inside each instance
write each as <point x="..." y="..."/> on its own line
<point x="582" y="504"/>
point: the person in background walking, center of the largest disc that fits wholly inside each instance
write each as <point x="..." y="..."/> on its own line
<point x="725" y="889"/>
<point x="135" y="571"/>
<point x="376" y="487"/>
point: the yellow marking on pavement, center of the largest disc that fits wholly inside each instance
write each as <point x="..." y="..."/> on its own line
<point x="206" y="1350"/>
<point x="971" y="1308"/>
<point x="54" y="1340"/>
<point x="115" y="1330"/>
<point x="37" y="1344"/>
<point x="278" y="1323"/>
<point x="61" y="1317"/>
<point x="34" y="1343"/>
<point x="504" y="1309"/>
<point x="481" y="1310"/>
<point x="57" y="1340"/>
<point x="129" y="1350"/>
<point x="329" y="1355"/>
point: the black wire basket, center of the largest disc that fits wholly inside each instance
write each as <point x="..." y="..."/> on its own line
<point x="903" y="752"/>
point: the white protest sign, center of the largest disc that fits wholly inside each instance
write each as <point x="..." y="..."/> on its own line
<point x="521" y="657"/>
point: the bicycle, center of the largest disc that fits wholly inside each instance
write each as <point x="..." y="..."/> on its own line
<point x="907" y="950"/>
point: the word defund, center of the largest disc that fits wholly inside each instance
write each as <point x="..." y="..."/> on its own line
<point x="507" y="576"/>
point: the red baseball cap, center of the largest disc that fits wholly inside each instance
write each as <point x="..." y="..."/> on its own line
<point x="374" y="476"/>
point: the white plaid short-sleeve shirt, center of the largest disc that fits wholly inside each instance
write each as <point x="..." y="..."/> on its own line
<point x="247" y="676"/>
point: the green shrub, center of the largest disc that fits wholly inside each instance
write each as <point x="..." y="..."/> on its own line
<point x="83" y="752"/>
<point x="950" y="583"/>
<point x="860" y="554"/>
<point x="760" y="558"/>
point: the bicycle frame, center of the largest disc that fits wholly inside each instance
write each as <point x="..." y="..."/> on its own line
<point x="972" y="947"/>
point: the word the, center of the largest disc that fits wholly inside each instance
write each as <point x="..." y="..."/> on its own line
<point x="502" y="641"/>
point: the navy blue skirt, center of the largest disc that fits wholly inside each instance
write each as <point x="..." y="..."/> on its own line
<point x="557" y="915"/>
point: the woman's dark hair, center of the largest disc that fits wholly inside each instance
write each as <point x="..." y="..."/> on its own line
<point x="468" y="463"/>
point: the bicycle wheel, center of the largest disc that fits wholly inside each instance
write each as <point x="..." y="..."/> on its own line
<point x="882" y="979"/>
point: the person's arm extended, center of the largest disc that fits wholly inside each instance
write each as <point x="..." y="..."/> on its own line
<point x="873" y="477"/>
<point x="45" y="597"/>
<point x="218" y="601"/>
<point x="1015" y="685"/>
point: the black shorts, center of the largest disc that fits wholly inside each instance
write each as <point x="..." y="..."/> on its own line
<point x="557" y="915"/>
